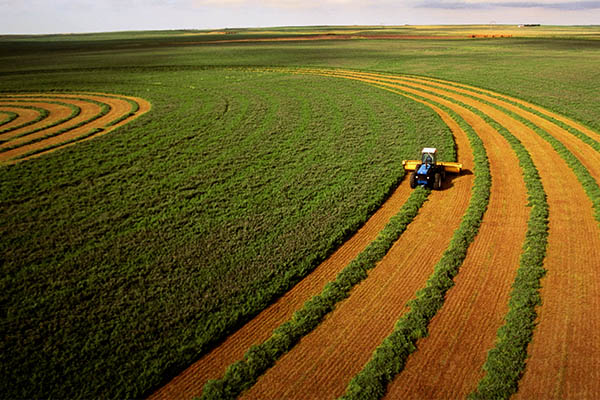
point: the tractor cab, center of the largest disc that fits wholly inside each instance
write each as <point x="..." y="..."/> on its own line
<point x="428" y="171"/>
<point x="425" y="172"/>
<point x="428" y="155"/>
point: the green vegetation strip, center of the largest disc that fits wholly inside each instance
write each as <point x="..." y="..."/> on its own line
<point x="105" y="109"/>
<point x="43" y="114"/>
<point x="242" y="374"/>
<point x="390" y="357"/>
<point x="10" y="116"/>
<point x="134" y="109"/>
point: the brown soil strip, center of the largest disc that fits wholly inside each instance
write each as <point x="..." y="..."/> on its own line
<point x="325" y="360"/>
<point x="565" y="351"/>
<point x="190" y="382"/>
<point x="57" y="112"/>
<point x="25" y="115"/>
<point x="118" y="107"/>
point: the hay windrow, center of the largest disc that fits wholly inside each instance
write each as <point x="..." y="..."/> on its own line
<point x="46" y="122"/>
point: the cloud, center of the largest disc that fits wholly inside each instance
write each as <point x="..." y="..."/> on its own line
<point x="489" y="5"/>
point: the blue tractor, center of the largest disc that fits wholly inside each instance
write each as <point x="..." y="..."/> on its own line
<point x="428" y="171"/>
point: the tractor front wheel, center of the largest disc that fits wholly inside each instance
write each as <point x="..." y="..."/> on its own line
<point x="437" y="181"/>
<point x="413" y="180"/>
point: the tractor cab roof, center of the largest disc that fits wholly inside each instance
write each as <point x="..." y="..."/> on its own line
<point x="428" y="155"/>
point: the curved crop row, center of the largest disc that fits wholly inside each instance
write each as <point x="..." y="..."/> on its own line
<point x="23" y="143"/>
<point x="589" y="184"/>
<point x="560" y="368"/>
<point x="75" y="111"/>
<point x="390" y="357"/>
<point x="505" y="355"/>
<point x="505" y="364"/>
<point x="242" y="374"/>
<point x="104" y="110"/>
<point x="9" y="116"/>
<point x="42" y="114"/>
<point x="584" y="176"/>
<point x="582" y="132"/>
<point x="533" y="281"/>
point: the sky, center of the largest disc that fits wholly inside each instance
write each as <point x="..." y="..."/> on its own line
<point x="74" y="16"/>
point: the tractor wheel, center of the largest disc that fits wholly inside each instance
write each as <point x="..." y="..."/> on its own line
<point x="437" y="181"/>
<point x="413" y="180"/>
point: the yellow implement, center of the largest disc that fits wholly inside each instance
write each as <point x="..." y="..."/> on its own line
<point x="453" y="167"/>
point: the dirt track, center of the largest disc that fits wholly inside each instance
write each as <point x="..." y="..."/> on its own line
<point x="60" y="127"/>
<point x="565" y="351"/>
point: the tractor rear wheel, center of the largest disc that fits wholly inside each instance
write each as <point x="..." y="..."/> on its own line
<point x="437" y="181"/>
<point x="413" y="180"/>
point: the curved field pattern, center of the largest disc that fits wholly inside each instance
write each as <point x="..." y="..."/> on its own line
<point x="39" y="123"/>
<point x="564" y="352"/>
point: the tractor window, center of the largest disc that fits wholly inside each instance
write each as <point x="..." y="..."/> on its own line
<point x="427" y="158"/>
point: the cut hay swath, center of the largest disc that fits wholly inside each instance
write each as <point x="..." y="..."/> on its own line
<point x="478" y="313"/>
<point x="43" y="122"/>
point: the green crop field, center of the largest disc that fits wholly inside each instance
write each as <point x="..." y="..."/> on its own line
<point x="125" y="258"/>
